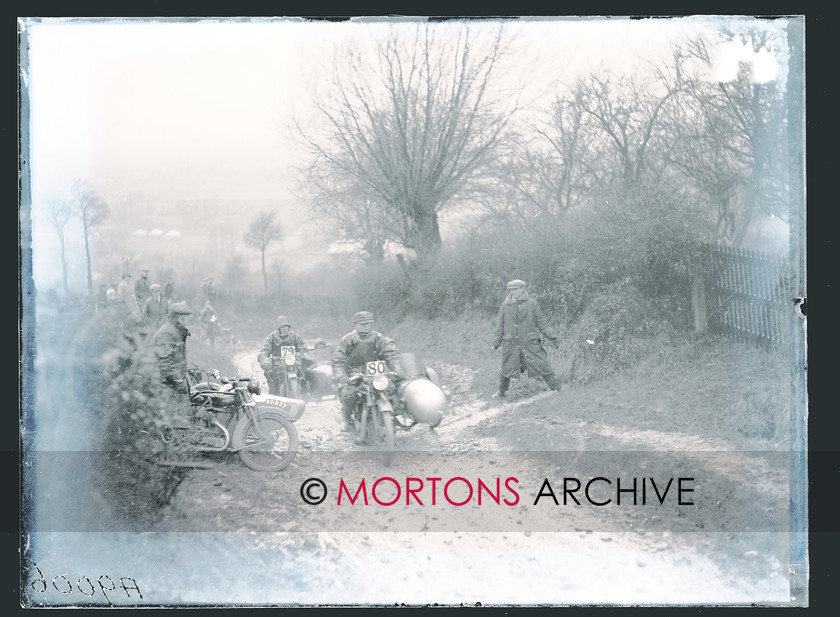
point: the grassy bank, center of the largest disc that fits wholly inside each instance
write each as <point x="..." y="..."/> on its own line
<point x="660" y="380"/>
<point x="710" y="388"/>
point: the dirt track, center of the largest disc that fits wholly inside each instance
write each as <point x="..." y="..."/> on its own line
<point x="234" y="536"/>
<point x="492" y="561"/>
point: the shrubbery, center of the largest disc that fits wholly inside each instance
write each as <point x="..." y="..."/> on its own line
<point x="615" y="272"/>
<point x="130" y="409"/>
<point x="619" y="326"/>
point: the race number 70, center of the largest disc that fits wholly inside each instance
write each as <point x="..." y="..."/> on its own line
<point x="376" y="368"/>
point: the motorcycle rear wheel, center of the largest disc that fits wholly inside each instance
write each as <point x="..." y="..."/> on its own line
<point x="278" y="454"/>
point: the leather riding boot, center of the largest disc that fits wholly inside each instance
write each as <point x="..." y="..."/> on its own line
<point x="552" y="381"/>
<point x="504" y="382"/>
<point x="347" y="412"/>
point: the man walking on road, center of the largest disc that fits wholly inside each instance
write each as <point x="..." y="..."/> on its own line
<point x="520" y="328"/>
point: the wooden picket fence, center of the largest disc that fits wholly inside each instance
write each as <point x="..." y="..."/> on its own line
<point x="748" y="295"/>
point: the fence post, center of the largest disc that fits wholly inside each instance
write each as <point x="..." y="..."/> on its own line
<point x="698" y="291"/>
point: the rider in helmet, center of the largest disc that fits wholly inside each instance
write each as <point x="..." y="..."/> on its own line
<point x="284" y="336"/>
<point x="356" y="348"/>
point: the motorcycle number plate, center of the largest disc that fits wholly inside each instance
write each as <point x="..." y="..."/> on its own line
<point x="376" y="368"/>
<point x="286" y="349"/>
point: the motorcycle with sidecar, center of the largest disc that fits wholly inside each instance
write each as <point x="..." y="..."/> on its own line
<point x="387" y="400"/>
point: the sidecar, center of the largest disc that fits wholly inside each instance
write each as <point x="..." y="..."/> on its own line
<point x="291" y="408"/>
<point x="420" y="396"/>
<point x="319" y="377"/>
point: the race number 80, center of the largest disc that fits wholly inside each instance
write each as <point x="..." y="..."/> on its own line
<point x="376" y="368"/>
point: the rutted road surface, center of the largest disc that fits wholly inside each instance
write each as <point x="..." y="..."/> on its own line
<point x="272" y="551"/>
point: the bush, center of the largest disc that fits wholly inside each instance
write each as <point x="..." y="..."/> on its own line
<point x="762" y="413"/>
<point x="614" y="271"/>
<point x="131" y="408"/>
<point x="618" y="328"/>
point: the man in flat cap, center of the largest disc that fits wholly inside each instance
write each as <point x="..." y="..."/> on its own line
<point x="170" y="344"/>
<point x="155" y="308"/>
<point x="520" y="328"/>
<point x="356" y="348"/>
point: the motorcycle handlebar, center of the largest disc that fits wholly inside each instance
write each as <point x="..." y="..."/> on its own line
<point x="357" y="378"/>
<point x="234" y="379"/>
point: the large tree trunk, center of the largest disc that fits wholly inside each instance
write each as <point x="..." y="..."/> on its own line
<point x="265" y="278"/>
<point x="424" y="234"/>
<point x="376" y="250"/>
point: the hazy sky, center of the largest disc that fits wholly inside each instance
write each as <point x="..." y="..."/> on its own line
<point x="203" y="106"/>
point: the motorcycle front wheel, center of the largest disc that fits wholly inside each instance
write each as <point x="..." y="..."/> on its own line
<point x="273" y="453"/>
<point x="383" y="434"/>
<point x="288" y="387"/>
<point x="387" y="438"/>
<point x="293" y="391"/>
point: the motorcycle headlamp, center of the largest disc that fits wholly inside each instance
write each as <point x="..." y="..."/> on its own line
<point x="380" y="382"/>
<point x="289" y="359"/>
<point x="254" y="387"/>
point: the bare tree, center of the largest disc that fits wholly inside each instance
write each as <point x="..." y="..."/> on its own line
<point x="357" y="218"/>
<point x="729" y="135"/>
<point x="625" y="122"/>
<point x="409" y="123"/>
<point x="262" y="232"/>
<point x="603" y="134"/>
<point x="60" y="212"/>
<point x="92" y="211"/>
<point x="235" y="274"/>
<point x="126" y="261"/>
<point x="717" y="143"/>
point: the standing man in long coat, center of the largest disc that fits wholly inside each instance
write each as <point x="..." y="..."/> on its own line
<point x="521" y="326"/>
<point x="155" y="309"/>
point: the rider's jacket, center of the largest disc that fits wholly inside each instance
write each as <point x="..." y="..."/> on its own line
<point x="170" y="344"/>
<point x="354" y="350"/>
<point x="275" y="341"/>
<point x="155" y="310"/>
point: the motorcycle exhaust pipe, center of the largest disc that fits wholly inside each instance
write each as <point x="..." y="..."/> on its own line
<point x="221" y="448"/>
